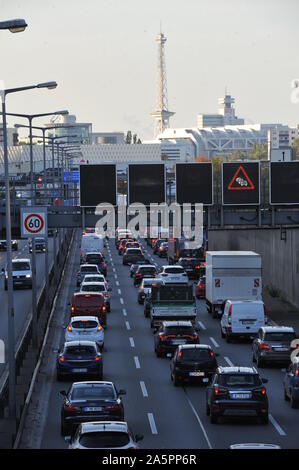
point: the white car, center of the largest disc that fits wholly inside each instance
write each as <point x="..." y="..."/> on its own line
<point x="86" y="269"/>
<point x="21" y="273"/>
<point x="85" y="328"/>
<point x="97" y="287"/>
<point x="173" y="274"/>
<point x="96" y="278"/>
<point x="104" y="435"/>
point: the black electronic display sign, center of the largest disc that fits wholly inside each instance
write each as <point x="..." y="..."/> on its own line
<point x="284" y="182"/>
<point x="241" y="183"/>
<point x="97" y="185"/>
<point x="146" y="183"/>
<point x="194" y="183"/>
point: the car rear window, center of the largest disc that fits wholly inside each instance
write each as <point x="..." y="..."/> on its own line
<point x="179" y="330"/>
<point x="147" y="270"/>
<point x="133" y="251"/>
<point x="93" y="288"/>
<point x="80" y="350"/>
<point x="94" y="259"/>
<point x="94" y="278"/>
<point x="107" y="439"/>
<point x="89" y="269"/>
<point x="194" y="354"/>
<point x="84" y="324"/>
<point x="231" y="380"/>
<point x="93" y="391"/>
<point x="174" y="270"/>
<point x="88" y="300"/>
<point x="284" y="337"/>
<point x="20" y="266"/>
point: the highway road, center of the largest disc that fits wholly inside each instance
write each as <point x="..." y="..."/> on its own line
<point x="169" y="417"/>
<point x="22" y="297"/>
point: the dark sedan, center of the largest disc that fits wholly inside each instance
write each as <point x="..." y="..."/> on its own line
<point x="79" y="358"/>
<point x="171" y="334"/>
<point x="98" y="259"/>
<point x="143" y="272"/>
<point x="191" y="266"/>
<point x="273" y="345"/>
<point x="90" y="401"/>
<point x="291" y="383"/>
<point x="132" y="255"/>
<point x="193" y="362"/>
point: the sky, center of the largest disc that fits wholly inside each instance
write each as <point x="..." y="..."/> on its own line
<point x="103" y="55"/>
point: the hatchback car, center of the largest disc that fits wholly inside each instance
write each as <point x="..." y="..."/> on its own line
<point x="145" y="288"/>
<point x="191" y="266"/>
<point x="86" y="269"/>
<point x="171" y="334"/>
<point x="193" y="362"/>
<point x="104" y="435"/>
<point x="97" y="287"/>
<point x="96" y="278"/>
<point x="163" y="250"/>
<point x="79" y="358"/>
<point x="237" y="391"/>
<point x="134" y="266"/>
<point x="273" y="345"/>
<point x="132" y="255"/>
<point x="90" y="401"/>
<point x="85" y="328"/>
<point x="122" y="245"/>
<point x="157" y="244"/>
<point x="89" y="304"/>
<point x="173" y="274"/>
<point x="143" y="272"/>
<point x="98" y="259"/>
<point x="291" y="383"/>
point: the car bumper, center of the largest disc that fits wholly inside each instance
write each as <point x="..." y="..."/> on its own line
<point x="73" y="421"/>
<point x="67" y="371"/>
<point x="239" y="408"/>
<point x="275" y="356"/>
<point x="22" y="282"/>
<point x="170" y="348"/>
<point x="185" y="375"/>
<point x="97" y="339"/>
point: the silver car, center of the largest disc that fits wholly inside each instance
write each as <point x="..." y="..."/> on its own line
<point x="85" y="328"/>
<point x="104" y="435"/>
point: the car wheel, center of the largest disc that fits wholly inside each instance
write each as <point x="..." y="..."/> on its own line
<point x="208" y="411"/>
<point x="265" y="419"/>
<point x="5" y="286"/>
<point x="213" y="418"/>
<point x="63" y="429"/>
<point x="108" y="308"/>
<point x="286" y="397"/>
<point x="293" y="402"/>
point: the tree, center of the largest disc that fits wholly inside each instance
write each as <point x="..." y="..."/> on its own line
<point x="295" y="148"/>
<point x="129" y="137"/>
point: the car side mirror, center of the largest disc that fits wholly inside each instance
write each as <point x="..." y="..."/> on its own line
<point x="63" y="393"/>
<point x="122" y="392"/>
<point x="265" y="381"/>
<point x="138" y="437"/>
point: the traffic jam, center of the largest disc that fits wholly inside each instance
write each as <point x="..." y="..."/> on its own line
<point x="171" y="291"/>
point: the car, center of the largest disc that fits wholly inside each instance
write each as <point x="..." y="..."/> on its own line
<point x="86" y="328"/>
<point x="200" y="290"/>
<point x="96" y="278"/>
<point x="79" y="358"/>
<point x="193" y="362"/>
<point x="145" y="288"/>
<point x="200" y="270"/>
<point x="273" y="345"/>
<point x="86" y="269"/>
<point x="90" y="401"/>
<point x="171" y="334"/>
<point x="134" y="266"/>
<point x="132" y="245"/>
<point x="122" y="244"/>
<point x="122" y="234"/>
<point x="97" y="287"/>
<point x="132" y="255"/>
<point x="89" y="303"/>
<point x="91" y="243"/>
<point x="163" y="250"/>
<point x="3" y="245"/>
<point x="104" y="435"/>
<point x="237" y="391"/>
<point x="173" y="274"/>
<point x="157" y="244"/>
<point x="191" y="266"/>
<point x="242" y="319"/>
<point x="88" y="230"/>
<point x="21" y="273"/>
<point x="52" y="232"/>
<point x="98" y="259"/>
<point x="143" y="272"/>
<point x="40" y="245"/>
<point x="291" y="383"/>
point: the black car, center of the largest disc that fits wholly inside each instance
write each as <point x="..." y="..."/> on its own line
<point x="193" y="362"/>
<point x="237" y="391"/>
<point x="132" y="255"/>
<point x="157" y="244"/>
<point x="163" y="250"/>
<point x="3" y="245"/>
<point x="273" y="345"/>
<point x="136" y="265"/>
<point x="143" y="272"/>
<point x="40" y="245"/>
<point x="52" y="232"/>
<point x="291" y="383"/>
<point x="79" y="358"/>
<point x="90" y="401"/>
<point x="191" y="266"/>
<point x="98" y="259"/>
<point x="171" y="334"/>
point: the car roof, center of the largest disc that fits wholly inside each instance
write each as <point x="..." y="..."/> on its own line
<point x="194" y="346"/>
<point x="89" y="294"/>
<point x="171" y="266"/>
<point x="21" y="260"/>
<point x="147" y="266"/>
<point x="94" y="382"/>
<point x="94" y="275"/>
<point x="93" y="253"/>
<point x="84" y="318"/>
<point x="247" y="301"/>
<point x="93" y="283"/>
<point x="149" y="280"/>
<point x="80" y="343"/>
<point x="177" y="323"/>
<point x="87" y="264"/>
<point x="237" y="369"/>
<point x="254" y="445"/>
<point x="277" y="329"/>
<point x="99" y="426"/>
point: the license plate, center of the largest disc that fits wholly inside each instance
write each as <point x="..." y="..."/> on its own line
<point x="281" y="349"/>
<point x="83" y="332"/>
<point x="178" y="341"/>
<point x="196" y="374"/>
<point x="93" y="408"/>
<point x="248" y="322"/>
<point x="241" y="396"/>
<point x="79" y="371"/>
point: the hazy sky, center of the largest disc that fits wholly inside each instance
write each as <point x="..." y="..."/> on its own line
<point x="103" y="55"/>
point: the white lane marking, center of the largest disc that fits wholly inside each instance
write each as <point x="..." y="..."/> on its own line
<point x="276" y="425"/>
<point x="137" y="363"/>
<point x="152" y="423"/>
<point x="229" y="361"/>
<point x="124" y="312"/>
<point x="128" y="325"/>
<point x="143" y="389"/>
<point x="113" y="269"/>
<point x="202" y="326"/>
<point x="132" y="342"/>
<point x="199" y="422"/>
<point x="117" y="283"/>
<point x="119" y="291"/>
<point x="121" y="300"/>
<point x="214" y="342"/>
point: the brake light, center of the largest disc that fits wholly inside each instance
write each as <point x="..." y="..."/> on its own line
<point x="72" y="308"/>
<point x="103" y="251"/>
<point x="218" y="390"/>
<point x="106" y="294"/>
<point x="103" y="309"/>
<point x="71" y="408"/>
<point x="113" y="407"/>
<point x="81" y="252"/>
<point x="229" y="320"/>
<point x="99" y="328"/>
<point x="141" y="288"/>
<point x="197" y="267"/>
<point x="297" y="372"/>
<point x="180" y="354"/>
<point x="97" y="358"/>
<point x="138" y="274"/>
<point x="69" y="328"/>
<point x="212" y="353"/>
<point x="264" y="347"/>
<point x="61" y="359"/>
<point x="261" y="391"/>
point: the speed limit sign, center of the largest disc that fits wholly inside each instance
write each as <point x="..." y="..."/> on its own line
<point x="33" y="222"/>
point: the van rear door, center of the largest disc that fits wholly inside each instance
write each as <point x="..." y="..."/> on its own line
<point x="247" y="317"/>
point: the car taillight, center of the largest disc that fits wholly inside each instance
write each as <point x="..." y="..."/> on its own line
<point x="99" y="328"/>
<point x="229" y="320"/>
<point x="61" y="359"/>
<point x="212" y="353"/>
<point x="264" y="347"/>
<point x="103" y="309"/>
<point x="197" y="267"/>
<point x="72" y="308"/>
<point x="71" y="408"/>
<point x="265" y="315"/>
<point x="69" y="328"/>
<point x="103" y="252"/>
<point x="97" y="358"/>
<point x="113" y="407"/>
<point x="218" y="390"/>
<point x="261" y="391"/>
<point x="297" y="372"/>
<point x="138" y="274"/>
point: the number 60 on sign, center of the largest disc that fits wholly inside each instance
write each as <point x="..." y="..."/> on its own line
<point x="33" y="222"/>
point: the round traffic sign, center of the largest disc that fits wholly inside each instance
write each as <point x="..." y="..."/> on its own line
<point x="34" y="223"/>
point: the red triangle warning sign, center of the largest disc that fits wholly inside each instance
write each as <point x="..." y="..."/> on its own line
<point x="241" y="181"/>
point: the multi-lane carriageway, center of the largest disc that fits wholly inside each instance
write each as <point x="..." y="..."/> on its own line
<point x="168" y="416"/>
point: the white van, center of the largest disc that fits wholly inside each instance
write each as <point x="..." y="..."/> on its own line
<point x="242" y="318"/>
<point x="91" y="243"/>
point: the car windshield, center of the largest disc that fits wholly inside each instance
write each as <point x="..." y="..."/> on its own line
<point x="94" y="259"/>
<point x="80" y="350"/>
<point x="21" y="266"/>
<point x="86" y="324"/>
<point x="240" y="379"/>
<point x="173" y="293"/>
<point x="93" y="391"/>
<point x="106" y="439"/>
<point x="39" y="240"/>
<point x="147" y="270"/>
<point x="189" y="262"/>
<point x="280" y="337"/>
<point x="133" y="251"/>
<point x="93" y="288"/>
<point x="179" y="330"/>
<point x="194" y="354"/>
<point x="93" y="278"/>
<point x="174" y="270"/>
<point x="88" y="269"/>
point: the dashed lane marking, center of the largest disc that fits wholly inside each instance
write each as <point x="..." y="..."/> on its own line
<point x="152" y="423"/>
<point x="137" y="363"/>
<point x="143" y="389"/>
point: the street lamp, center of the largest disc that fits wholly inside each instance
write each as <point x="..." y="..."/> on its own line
<point x="10" y="304"/>
<point x="14" y="26"/>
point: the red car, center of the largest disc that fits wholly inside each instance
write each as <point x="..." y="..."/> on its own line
<point x="201" y="288"/>
<point x="89" y="304"/>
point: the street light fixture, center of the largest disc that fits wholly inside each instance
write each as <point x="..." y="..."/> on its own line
<point x="14" y="26"/>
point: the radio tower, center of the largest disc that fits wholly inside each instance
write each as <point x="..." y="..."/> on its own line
<point x="161" y="114"/>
